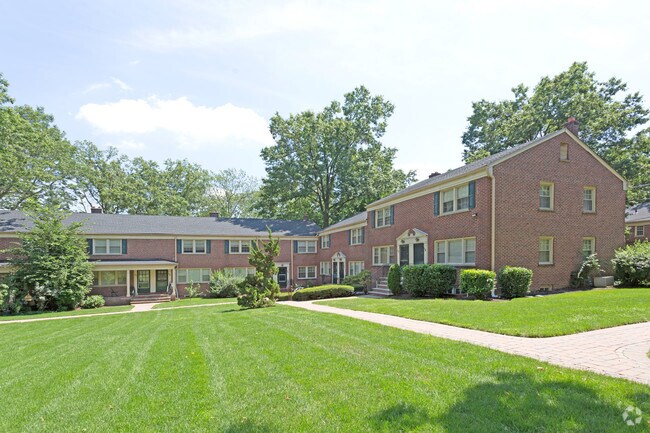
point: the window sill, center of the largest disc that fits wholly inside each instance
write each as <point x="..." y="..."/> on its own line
<point x="546" y="210"/>
<point x="589" y="212"/>
<point x="454" y="212"/>
<point x="546" y="264"/>
<point x="307" y="253"/>
<point x="231" y="253"/>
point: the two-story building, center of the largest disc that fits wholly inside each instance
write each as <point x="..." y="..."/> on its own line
<point x="637" y="221"/>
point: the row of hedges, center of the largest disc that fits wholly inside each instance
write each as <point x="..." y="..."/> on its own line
<point x="323" y="292"/>
<point x="428" y="280"/>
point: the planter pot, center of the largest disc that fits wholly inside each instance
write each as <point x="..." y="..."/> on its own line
<point x="603" y="281"/>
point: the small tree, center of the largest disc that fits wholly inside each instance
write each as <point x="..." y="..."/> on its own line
<point x="395" y="279"/>
<point x="260" y="290"/>
<point x="51" y="263"/>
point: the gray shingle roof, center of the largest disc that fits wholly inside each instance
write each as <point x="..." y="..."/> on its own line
<point x="640" y="212"/>
<point x="110" y="224"/>
<point x="355" y="219"/>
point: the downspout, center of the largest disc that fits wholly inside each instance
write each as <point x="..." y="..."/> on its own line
<point x="290" y="276"/>
<point x="175" y="291"/>
<point x="492" y="219"/>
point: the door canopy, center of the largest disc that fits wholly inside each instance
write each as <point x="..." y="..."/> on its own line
<point x="412" y="236"/>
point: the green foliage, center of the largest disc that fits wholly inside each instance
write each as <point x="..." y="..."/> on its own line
<point x="192" y="290"/>
<point x="323" y="292"/>
<point x="360" y="281"/>
<point x="589" y="268"/>
<point x="51" y="262"/>
<point x="285" y="296"/>
<point x="331" y="164"/>
<point x="477" y="282"/>
<point x="223" y="285"/>
<point x="234" y="194"/>
<point x="395" y="279"/>
<point x="428" y="280"/>
<point x="415" y="279"/>
<point x="260" y="290"/>
<point x="93" y="301"/>
<point x="514" y="282"/>
<point x="4" y="288"/>
<point x="632" y="265"/>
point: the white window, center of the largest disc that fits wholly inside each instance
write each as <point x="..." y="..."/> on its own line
<point x="306" y="247"/>
<point x="355" y="267"/>
<point x="239" y="247"/>
<point x="193" y="275"/>
<point x="588" y="247"/>
<point x="325" y="268"/>
<point x="325" y="241"/>
<point x="107" y="246"/>
<point x="306" y="272"/>
<point x="456" y="251"/>
<point x="545" y="251"/>
<point x="239" y="272"/>
<point x="564" y="152"/>
<point x="546" y="196"/>
<point x="455" y="199"/>
<point x="383" y="217"/>
<point x="193" y="246"/>
<point x="109" y="278"/>
<point x="638" y="231"/>
<point x="589" y="199"/>
<point x="383" y="255"/>
<point x="356" y="236"/>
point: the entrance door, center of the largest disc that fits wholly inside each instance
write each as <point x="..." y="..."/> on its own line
<point x="404" y="258"/>
<point x="282" y="277"/>
<point x="418" y="254"/>
<point x="338" y="272"/>
<point x="411" y="254"/>
<point x="144" y="285"/>
<point x="161" y="280"/>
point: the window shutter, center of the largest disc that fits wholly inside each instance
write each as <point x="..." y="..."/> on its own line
<point x="350" y="237"/>
<point x="295" y="247"/>
<point x="90" y="246"/>
<point x="124" y="250"/>
<point x="253" y="245"/>
<point x="208" y="246"/>
<point x="226" y="247"/>
<point x="472" y="194"/>
<point x="363" y="235"/>
<point x="372" y="215"/>
<point x="436" y="203"/>
<point x="392" y="215"/>
<point x="179" y="246"/>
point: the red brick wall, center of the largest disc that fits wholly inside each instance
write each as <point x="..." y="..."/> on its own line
<point x="632" y="238"/>
<point x="6" y="243"/>
<point x="520" y="223"/>
<point x="353" y="253"/>
<point x="160" y="249"/>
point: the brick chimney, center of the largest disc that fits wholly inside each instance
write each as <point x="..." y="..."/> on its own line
<point x="96" y="209"/>
<point x="214" y="214"/>
<point x="572" y="125"/>
<point x="434" y="174"/>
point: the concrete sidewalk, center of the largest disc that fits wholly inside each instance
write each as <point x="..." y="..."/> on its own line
<point x="618" y="352"/>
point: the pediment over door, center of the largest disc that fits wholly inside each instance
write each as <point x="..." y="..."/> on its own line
<point x="338" y="257"/>
<point x="412" y="236"/>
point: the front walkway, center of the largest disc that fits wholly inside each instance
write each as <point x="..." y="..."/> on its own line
<point x="621" y="351"/>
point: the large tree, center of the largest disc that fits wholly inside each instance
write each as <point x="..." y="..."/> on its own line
<point x="329" y="165"/>
<point x="234" y="194"/>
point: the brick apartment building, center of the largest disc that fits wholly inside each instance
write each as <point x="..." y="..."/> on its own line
<point x="544" y="205"/>
<point x="637" y="221"/>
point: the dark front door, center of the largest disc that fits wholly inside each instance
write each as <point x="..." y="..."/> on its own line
<point x="403" y="255"/>
<point x="144" y="285"/>
<point x="418" y="254"/>
<point x="338" y="272"/>
<point x="161" y="280"/>
<point x="282" y="277"/>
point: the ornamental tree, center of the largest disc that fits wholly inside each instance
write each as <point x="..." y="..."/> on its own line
<point x="261" y="289"/>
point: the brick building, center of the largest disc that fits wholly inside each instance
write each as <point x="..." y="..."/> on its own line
<point x="637" y="221"/>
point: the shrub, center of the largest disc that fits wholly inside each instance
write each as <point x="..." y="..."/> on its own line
<point x="395" y="279"/>
<point x="93" y="301"/>
<point x="360" y="281"/>
<point x="192" y="290"/>
<point x="440" y="279"/>
<point x="223" y="285"/>
<point x="284" y="296"/>
<point x="415" y="279"/>
<point x="514" y="282"/>
<point x="477" y="282"/>
<point x="260" y="290"/>
<point x="632" y="265"/>
<point x="323" y="292"/>
<point x="590" y="267"/>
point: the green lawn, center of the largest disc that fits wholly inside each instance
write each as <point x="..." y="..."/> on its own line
<point x="542" y="316"/>
<point x="194" y="301"/>
<point x="68" y="313"/>
<point x="284" y="369"/>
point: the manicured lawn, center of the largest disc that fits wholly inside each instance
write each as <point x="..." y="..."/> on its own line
<point x="194" y="301"/>
<point x="283" y="369"/>
<point x="542" y="316"/>
<point x="68" y="313"/>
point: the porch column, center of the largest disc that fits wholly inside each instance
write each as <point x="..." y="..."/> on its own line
<point x="174" y="282"/>
<point x="152" y="281"/>
<point x="128" y="283"/>
<point x="136" y="282"/>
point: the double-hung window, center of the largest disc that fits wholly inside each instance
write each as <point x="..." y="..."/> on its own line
<point x="588" y="247"/>
<point x="546" y="250"/>
<point x="546" y="195"/>
<point x="325" y="268"/>
<point x="325" y="241"/>
<point x="306" y="247"/>
<point x="455" y="199"/>
<point x="355" y="267"/>
<point x="383" y="255"/>
<point x="306" y="272"/>
<point x="356" y="236"/>
<point x="107" y="246"/>
<point x="456" y="251"/>
<point x="193" y="246"/>
<point x="383" y="217"/>
<point x="239" y="247"/>
<point x="109" y="278"/>
<point x="194" y="275"/>
<point x="589" y="199"/>
<point x="239" y="272"/>
<point x="639" y="231"/>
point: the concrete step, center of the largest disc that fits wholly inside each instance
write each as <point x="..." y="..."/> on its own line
<point x="379" y="291"/>
<point x="146" y="299"/>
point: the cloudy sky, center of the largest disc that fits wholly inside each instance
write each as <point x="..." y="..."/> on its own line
<point x="199" y="80"/>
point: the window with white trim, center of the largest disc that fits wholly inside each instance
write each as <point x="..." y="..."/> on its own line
<point x="383" y="217"/>
<point x="356" y="236"/>
<point x="325" y="268"/>
<point x="184" y="276"/>
<point x="588" y="246"/>
<point x="325" y="242"/>
<point x="455" y="199"/>
<point x="306" y="247"/>
<point x="109" y="278"/>
<point x="355" y="267"/>
<point x="546" y="195"/>
<point x="239" y="247"/>
<point x="639" y="231"/>
<point x="383" y="255"/>
<point x="564" y="152"/>
<point x="193" y="246"/>
<point x="107" y="246"/>
<point x="240" y="272"/>
<point x="306" y="272"/>
<point x="460" y="251"/>
<point x="589" y="199"/>
<point x="545" y="251"/>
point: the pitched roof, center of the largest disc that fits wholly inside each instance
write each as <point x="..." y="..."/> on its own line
<point x="640" y="212"/>
<point x="355" y="219"/>
<point x="112" y="224"/>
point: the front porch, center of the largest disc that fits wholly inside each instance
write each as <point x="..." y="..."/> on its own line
<point x="122" y="282"/>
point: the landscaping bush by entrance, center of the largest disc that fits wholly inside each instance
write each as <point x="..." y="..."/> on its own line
<point x="323" y="292"/>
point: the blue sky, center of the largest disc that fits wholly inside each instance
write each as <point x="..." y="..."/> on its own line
<point x="199" y="80"/>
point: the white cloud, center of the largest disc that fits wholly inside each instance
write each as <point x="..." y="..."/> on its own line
<point x="121" y="84"/>
<point x="108" y="84"/>
<point x="189" y="124"/>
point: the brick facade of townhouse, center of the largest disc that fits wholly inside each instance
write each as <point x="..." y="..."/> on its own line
<point x="637" y="222"/>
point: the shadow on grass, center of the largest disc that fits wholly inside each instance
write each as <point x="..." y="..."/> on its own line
<point x="247" y="426"/>
<point x="400" y="417"/>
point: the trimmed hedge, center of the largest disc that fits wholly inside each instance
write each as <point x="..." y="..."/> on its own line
<point x="514" y="282"/>
<point x="415" y="280"/>
<point x="361" y="281"/>
<point x="632" y="265"/>
<point x="441" y="278"/>
<point x="428" y="280"/>
<point x="323" y="292"/>
<point x="93" y="301"/>
<point x="477" y="282"/>
<point x="395" y="279"/>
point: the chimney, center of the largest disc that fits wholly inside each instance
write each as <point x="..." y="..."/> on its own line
<point x="96" y="209"/>
<point x="214" y="214"/>
<point x="572" y="125"/>
<point x="434" y="174"/>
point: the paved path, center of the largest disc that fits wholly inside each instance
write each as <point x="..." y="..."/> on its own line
<point x="619" y="352"/>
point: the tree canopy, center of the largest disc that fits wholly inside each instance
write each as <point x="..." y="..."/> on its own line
<point x="329" y="165"/>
